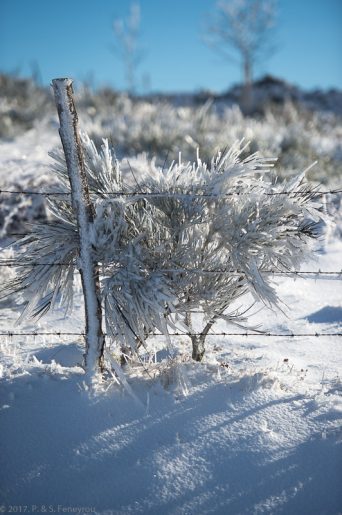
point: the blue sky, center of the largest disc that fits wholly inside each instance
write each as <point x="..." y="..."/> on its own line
<point x="74" y="37"/>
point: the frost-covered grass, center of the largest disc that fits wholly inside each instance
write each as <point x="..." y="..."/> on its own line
<point x="295" y="135"/>
<point x="22" y="102"/>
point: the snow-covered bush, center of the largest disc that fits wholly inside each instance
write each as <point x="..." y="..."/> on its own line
<point x="297" y="136"/>
<point x="21" y="103"/>
<point x="193" y="236"/>
<point x="19" y="211"/>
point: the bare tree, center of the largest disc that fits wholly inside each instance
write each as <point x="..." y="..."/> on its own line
<point x="127" y="34"/>
<point x="241" y="30"/>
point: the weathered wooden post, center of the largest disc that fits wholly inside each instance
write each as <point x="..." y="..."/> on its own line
<point x="84" y="211"/>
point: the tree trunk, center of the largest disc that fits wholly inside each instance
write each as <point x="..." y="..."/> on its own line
<point x="198" y="347"/>
<point x="84" y="211"/>
<point x="247" y="92"/>
<point x="198" y="340"/>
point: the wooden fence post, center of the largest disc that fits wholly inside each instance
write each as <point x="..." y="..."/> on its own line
<point x="84" y="211"/>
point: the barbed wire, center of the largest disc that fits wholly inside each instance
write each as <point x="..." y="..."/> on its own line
<point x="10" y="234"/>
<point x="14" y="264"/>
<point x="168" y="194"/>
<point x="42" y="193"/>
<point x="224" y="334"/>
<point x="41" y="333"/>
<point x="20" y="264"/>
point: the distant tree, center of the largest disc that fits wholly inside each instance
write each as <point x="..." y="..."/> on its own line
<point x="242" y="29"/>
<point x="127" y="46"/>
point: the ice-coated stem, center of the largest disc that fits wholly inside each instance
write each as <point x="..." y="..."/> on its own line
<point x="84" y="211"/>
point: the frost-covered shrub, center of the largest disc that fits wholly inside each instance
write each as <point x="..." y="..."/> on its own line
<point x="334" y="208"/>
<point x="294" y="134"/>
<point x="7" y="274"/>
<point x="294" y="128"/>
<point x="193" y="236"/>
<point x="19" y="211"/>
<point x="21" y="104"/>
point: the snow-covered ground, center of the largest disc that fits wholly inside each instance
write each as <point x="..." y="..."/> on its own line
<point x="255" y="428"/>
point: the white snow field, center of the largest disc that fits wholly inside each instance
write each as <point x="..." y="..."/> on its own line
<point x="255" y="428"/>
